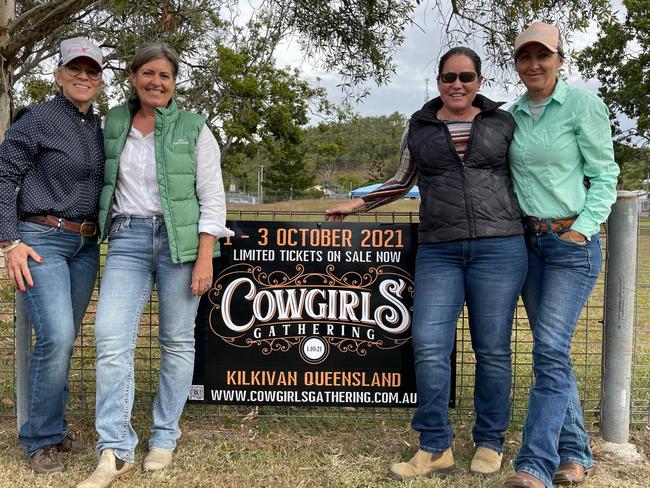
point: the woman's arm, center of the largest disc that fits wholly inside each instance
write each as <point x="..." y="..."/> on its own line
<point x="17" y="155"/>
<point x="212" y="206"/>
<point x="394" y="189"/>
<point x="338" y="212"/>
<point x="202" y="271"/>
<point x="17" y="267"/>
<point x="209" y="186"/>
<point x="594" y="138"/>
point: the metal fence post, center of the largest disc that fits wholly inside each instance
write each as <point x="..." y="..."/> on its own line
<point x="618" y="340"/>
<point x="23" y="351"/>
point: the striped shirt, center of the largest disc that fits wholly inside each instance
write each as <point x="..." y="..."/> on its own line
<point x="404" y="179"/>
<point x="459" y="130"/>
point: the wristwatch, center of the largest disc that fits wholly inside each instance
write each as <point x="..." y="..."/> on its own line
<point x="9" y="245"/>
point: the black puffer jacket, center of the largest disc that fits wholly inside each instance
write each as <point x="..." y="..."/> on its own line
<point x="469" y="198"/>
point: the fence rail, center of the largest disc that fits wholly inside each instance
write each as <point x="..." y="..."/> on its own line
<point x="587" y="348"/>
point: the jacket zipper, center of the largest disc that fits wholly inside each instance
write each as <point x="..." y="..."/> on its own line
<point x="164" y="170"/>
<point x="469" y="209"/>
<point x="468" y="200"/>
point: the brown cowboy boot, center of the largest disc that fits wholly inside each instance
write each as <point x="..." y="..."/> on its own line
<point x="572" y="474"/>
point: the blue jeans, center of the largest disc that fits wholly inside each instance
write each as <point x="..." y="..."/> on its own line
<point x="138" y="256"/>
<point x="63" y="285"/>
<point x="487" y="274"/>
<point x="560" y="278"/>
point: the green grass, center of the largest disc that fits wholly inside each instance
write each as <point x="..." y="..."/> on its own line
<point x="287" y="446"/>
<point x="276" y="452"/>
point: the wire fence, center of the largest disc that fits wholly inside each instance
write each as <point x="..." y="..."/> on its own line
<point x="586" y="350"/>
<point x="640" y="401"/>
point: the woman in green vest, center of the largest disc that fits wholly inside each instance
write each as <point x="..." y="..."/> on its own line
<point x="162" y="208"/>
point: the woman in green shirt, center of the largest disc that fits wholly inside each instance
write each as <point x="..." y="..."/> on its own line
<point x="562" y="138"/>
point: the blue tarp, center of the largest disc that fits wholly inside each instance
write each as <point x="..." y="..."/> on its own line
<point x="364" y="190"/>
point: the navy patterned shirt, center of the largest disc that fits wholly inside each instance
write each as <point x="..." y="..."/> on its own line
<point x="51" y="162"/>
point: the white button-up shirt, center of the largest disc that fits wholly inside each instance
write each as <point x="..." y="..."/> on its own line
<point x="136" y="190"/>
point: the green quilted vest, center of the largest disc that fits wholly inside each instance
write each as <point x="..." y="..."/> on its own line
<point x="176" y="133"/>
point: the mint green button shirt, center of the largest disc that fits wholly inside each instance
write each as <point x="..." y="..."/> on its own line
<point x="550" y="157"/>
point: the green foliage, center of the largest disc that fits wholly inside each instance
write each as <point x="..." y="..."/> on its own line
<point x="34" y="90"/>
<point x="7" y="292"/>
<point x="287" y="177"/>
<point x="255" y="107"/>
<point x="349" y="182"/>
<point x="357" y="145"/>
<point x="620" y="61"/>
<point x="356" y="38"/>
<point x="635" y="166"/>
<point x="228" y="73"/>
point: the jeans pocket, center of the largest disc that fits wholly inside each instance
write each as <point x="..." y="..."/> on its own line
<point x="117" y="226"/>
<point x="570" y="243"/>
<point x="34" y="230"/>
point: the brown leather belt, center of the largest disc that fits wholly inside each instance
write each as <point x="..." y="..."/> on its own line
<point x="540" y="226"/>
<point x="86" y="228"/>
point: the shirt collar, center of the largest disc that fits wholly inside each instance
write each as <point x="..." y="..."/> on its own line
<point x="429" y="109"/>
<point x="559" y="95"/>
<point x="70" y="107"/>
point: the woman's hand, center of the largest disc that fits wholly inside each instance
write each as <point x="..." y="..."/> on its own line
<point x="202" y="271"/>
<point x="201" y="275"/>
<point x="574" y="237"/>
<point x="338" y="212"/>
<point x="17" y="267"/>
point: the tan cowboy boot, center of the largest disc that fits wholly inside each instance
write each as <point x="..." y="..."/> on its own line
<point x="157" y="459"/>
<point x="108" y="470"/>
<point x="424" y="464"/>
<point x="486" y="461"/>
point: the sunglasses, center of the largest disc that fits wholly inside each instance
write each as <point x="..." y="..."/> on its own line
<point x="463" y="76"/>
<point x="75" y="70"/>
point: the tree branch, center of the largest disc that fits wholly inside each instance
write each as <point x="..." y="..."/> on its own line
<point x="38" y="23"/>
<point x="459" y="12"/>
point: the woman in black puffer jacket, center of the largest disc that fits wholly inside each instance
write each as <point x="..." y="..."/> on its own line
<point x="471" y="251"/>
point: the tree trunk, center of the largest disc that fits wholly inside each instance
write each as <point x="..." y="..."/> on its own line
<point x="7" y="14"/>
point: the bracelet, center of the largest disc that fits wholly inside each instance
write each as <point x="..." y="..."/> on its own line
<point x="7" y="248"/>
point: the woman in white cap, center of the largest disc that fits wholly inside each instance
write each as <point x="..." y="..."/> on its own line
<point x="51" y="168"/>
<point x="562" y="139"/>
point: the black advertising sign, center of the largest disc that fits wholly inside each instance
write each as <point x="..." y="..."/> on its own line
<point x="309" y="314"/>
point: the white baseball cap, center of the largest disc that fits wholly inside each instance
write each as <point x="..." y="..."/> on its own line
<point x="79" y="47"/>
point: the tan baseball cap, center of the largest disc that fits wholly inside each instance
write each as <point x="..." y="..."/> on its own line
<point x="546" y="34"/>
<point x="79" y="47"/>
